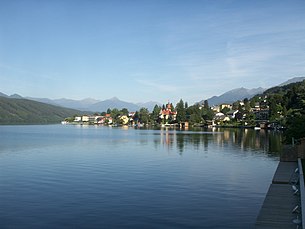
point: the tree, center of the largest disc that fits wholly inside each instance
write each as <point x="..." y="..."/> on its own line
<point x="156" y="113"/>
<point x="275" y="108"/>
<point x="240" y="108"/>
<point x="238" y="116"/>
<point x="144" y="115"/>
<point x="115" y="113"/>
<point x="194" y="114"/>
<point x="124" y="111"/>
<point x="181" y="112"/>
<point x="235" y="105"/>
<point x="195" y="118"/>
<point x="295" y="127"/>
<point x="206" y="104"/>
<point x="252" y="103"/>
<point x="225" y="110"/>
<point x="136" y="117"/>
<point x="207" y="114"/>
<point x="247" y="105"/>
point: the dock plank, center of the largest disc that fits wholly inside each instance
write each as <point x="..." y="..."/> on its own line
<point x="276" y="211"/>
<point x="284" y="172"/>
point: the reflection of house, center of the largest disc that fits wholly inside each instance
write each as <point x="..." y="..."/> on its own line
<point x="167" y="113"/>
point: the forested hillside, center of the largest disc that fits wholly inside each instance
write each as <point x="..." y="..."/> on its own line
<point x="23" y="111"/>
<point x="287" y="105"/>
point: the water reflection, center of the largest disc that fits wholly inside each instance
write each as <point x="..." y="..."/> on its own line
<point x="245" y="139"/>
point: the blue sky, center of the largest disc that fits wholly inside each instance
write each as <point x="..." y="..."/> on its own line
<point x="148" y="50"/>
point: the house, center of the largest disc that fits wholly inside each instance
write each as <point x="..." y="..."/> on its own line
<point x="77" y="119"/>
<point x="167" y="113"/>
<point x="225" y="105"/>
<point x="124" y="119"/>
<point x="256" y="107"/>
<point x="109" y="120"/>
<point x="220" y="117"/>
<point x="231" y="114"/>
<point x="216" y="109"/>
<point x="85" y="118"/>
<point x="262" y="114"/>
<point x="131" y="114"/>
<point x="99" y="119"/>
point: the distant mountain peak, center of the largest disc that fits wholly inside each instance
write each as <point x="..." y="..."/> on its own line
<point x="16" y="96"/>
<point x="114" y="99"/>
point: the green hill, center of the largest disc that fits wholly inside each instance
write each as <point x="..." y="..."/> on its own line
<point x="23" y="111"/>
<point x="287" y="106"/>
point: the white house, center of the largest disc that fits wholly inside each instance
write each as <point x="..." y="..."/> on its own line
<point x="77" y="119"/>
<point x="85" y="118"/>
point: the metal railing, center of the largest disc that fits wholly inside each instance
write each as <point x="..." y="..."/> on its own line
<point x="302" y="191"/>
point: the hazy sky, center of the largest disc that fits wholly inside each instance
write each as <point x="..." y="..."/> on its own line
<point x="148" y="49"/>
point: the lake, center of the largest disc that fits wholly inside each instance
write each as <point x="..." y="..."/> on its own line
<point x="69" y="176"/>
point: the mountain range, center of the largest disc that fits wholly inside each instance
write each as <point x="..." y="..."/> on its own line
<point x="234" y="95"/>
<point x="89" y="104"/>
<point x="93" y="105"/>
<point x="242" y="93"/>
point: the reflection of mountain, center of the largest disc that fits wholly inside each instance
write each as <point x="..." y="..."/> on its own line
<point x="247" y="140"/>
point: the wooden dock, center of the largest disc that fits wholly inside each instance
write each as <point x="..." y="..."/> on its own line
<point x="280" y="200"/>
<point x="284" y="172"/>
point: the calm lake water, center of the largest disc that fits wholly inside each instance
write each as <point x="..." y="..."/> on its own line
<point x="100" y="177"/>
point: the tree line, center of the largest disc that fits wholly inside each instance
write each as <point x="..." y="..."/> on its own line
<point x="193" y="114"/>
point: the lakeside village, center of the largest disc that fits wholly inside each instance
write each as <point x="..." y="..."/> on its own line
<point x="255" y="114"/>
